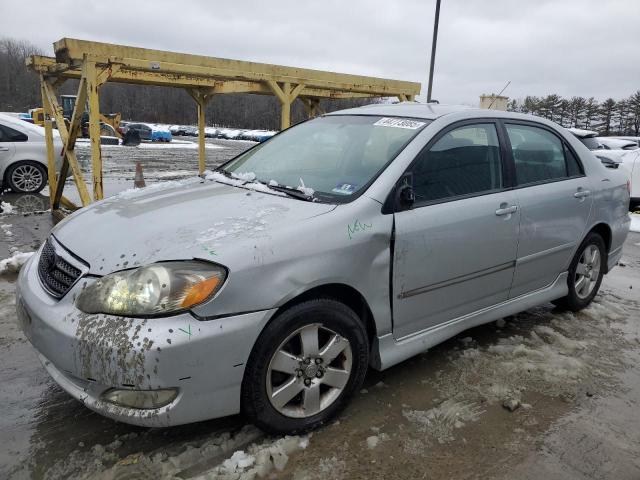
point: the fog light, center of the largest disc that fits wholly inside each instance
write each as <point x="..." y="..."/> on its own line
<point x="142" y="399"/>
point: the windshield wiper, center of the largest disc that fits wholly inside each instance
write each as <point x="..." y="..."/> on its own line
<point x="292" y="192"/>
<point x="225" y="173"/>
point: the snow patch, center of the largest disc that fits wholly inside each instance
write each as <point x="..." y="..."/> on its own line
<point x="241" y="455"/>
<point x="14" y="262"/>
<point x="251" y="225"/>
<point x="308" y="191"/>
<point x="246" y="176"/>
<point x="635" y="222"/>
<point x="6" y="208"/>
<point x="138" y="192"/>
<point x="6" y="229"/>
<point x="552" y="353"/>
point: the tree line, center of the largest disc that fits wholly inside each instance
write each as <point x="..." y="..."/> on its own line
<point x="20" y="91"/>
<point x="609" y="117"/>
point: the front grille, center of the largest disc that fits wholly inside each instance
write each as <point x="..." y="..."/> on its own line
<point x="56" y="274"/>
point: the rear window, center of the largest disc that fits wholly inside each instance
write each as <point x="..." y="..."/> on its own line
<point x="11" y="135"/>
<point x="590" y="142"/>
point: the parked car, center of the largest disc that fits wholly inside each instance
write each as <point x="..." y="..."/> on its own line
<point x="160" y="134"/>
<point x="357" y="239"/>
<point x="177" y="130"/>
<point x="628" y="159"/>
<point x="191" y="131"/>
<point x="23" y="155"/>
<point x="610" y="143"/>
<point x="144" y="130"/>
<point x="633" y="139"/>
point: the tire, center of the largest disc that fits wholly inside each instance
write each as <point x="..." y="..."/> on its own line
<point x="26" y="177"/>
<point x="320" y="390"/>
<point x="584" y="284"/>
<point x="109" y="141"/>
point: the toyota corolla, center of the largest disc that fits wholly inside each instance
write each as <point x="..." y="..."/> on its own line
<point x="354" y="240"/>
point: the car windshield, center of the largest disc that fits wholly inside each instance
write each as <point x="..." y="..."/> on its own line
<point x="336" y="156"/>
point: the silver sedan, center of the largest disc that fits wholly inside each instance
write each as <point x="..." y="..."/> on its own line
<point x="354" y="240"/>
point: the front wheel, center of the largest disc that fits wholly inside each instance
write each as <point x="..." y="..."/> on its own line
<point x="585" y="274"/>
<point x="305" y="366"/>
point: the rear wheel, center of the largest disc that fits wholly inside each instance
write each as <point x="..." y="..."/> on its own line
<point x="304" y="367"/>
<point x="585" y="274"/>
<point x="26" y="177"/>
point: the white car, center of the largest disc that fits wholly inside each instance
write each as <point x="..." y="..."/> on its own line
<point x="610" y="143"/>
<point x="23" y="155"/>
<point x="614" y="155"/>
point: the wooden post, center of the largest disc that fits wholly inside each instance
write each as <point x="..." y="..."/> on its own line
<point x="286" y="95"/>
<point x="91" y="76"/>
<point x="201" y="98"/>
<point x="312" y="106"/>
<point x="202" y="154"/>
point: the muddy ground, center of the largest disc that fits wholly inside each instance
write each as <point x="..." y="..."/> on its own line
<point x="572" y="380"/>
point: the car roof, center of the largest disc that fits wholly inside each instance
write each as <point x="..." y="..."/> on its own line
<point x="428" y="111"/>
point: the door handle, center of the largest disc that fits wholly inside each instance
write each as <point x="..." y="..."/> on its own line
<point x="582" y="193"/>
<point x="4" y="149"/>
<point x="506" y="210"/>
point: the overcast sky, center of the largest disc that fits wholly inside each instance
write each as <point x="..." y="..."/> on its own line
<point x="568" y="47"/>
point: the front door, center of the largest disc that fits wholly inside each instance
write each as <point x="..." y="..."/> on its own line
<point x="555" y="200"/>
<point x="455" y="249"/>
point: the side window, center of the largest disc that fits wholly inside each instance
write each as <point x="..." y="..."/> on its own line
<point x="11" y="135"/>
<point x="573" y="166"/>
<point x="464" y="161"/>
<point x="539" y="155"/>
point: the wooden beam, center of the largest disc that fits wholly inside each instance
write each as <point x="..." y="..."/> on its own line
<point x="69" y="50"/>
<point x="70" y="159"/>
<point x="49" y="67"/>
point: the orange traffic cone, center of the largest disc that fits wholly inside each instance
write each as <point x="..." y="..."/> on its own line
<point x="138" y="181"/>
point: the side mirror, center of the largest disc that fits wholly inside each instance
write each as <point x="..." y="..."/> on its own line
<point x="405" y="198"/>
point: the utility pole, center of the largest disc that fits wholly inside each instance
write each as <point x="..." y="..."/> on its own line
<point x="433" y="49"/>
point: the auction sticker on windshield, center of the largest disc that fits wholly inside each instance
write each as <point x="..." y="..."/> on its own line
<point x="399" y="123"/>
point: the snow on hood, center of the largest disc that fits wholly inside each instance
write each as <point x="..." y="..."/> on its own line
<point x="178" y="220"/>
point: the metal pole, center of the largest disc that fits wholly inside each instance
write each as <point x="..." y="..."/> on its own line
<point x="433" y="49"/>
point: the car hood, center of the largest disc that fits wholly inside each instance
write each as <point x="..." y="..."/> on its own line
<point x="177" y="220"/>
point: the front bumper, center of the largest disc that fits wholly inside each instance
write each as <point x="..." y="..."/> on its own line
<point x="89" y="354"/>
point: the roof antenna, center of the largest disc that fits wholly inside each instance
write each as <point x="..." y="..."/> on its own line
<point x="496" y="96"/>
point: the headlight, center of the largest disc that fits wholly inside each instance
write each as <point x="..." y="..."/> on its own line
<point x="160" y="288"/>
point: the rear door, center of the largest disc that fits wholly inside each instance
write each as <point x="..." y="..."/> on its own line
<point x="455" y="249"/>
<point x="555" y="200"/>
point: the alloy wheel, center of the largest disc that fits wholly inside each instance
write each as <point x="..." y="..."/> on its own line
<point x="308" y="371"/>
<point x="587" y="271"/>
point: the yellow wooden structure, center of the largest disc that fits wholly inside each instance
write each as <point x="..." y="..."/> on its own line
<point x="94" y="63"/>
